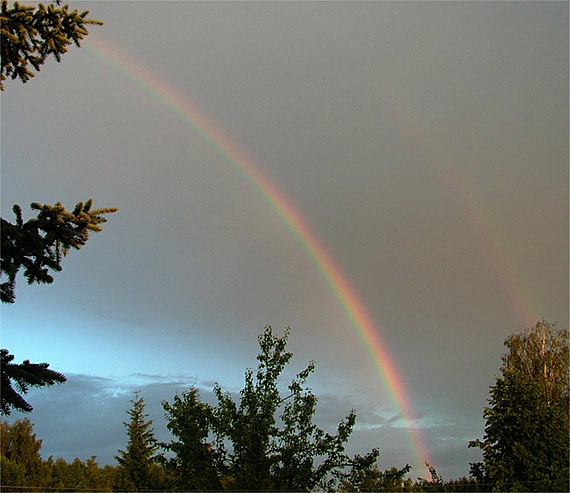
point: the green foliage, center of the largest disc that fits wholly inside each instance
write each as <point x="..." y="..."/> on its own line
<point x="194" y="465"/>
<point x="24" y="470"/>
<point x="247" y="449"/>
<point x="540" y="354"/>
<point x="136" y="462"/>
<point x="525" y="447"/>
<point x="250" y="426"/>
<point x="39" y="244"/>
<point x="22" y="464"/>
<point x="365" y="476"/>
<point x="13" y="474"/>
<point x="23" y="376"/>
<point x="31" y="33"/>
<point x="78" y="476"/>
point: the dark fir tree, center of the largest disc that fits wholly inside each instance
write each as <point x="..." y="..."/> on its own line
<point x="525" y="446"/>
<point x="194" y="465"/>
<point x="36" y="246"/>
<point x="22" y="376"/>
<point x="29" y="34"/>
<point x="136" y="462"/>
<point x="39" y="244"/>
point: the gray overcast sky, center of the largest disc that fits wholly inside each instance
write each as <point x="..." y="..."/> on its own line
<point x="426" y="145"/>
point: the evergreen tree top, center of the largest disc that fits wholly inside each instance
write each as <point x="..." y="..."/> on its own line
<point x="31" y="33"/>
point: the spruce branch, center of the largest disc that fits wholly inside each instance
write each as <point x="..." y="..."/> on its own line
<point x="29" y="34"/>
<point x="39" y="244"/>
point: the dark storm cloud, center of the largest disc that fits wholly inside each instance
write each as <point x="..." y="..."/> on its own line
<point x="84" y="417"/>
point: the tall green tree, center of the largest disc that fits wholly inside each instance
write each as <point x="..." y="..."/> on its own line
<point x="29" y="34"/>
<point x="136" y="462"/>
<point x="265" y="440"/>
<point x="22" y="376"/>
<point x="194" y="465"/>
<point x="525" y="446"/>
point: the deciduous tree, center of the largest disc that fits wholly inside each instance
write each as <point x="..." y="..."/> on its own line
<point x="195" y="465"/>
<point x="365" y="475"/>
<point x="22" y="464"/>
<point x="264" y="440"/>
<point x="525" y="446"/>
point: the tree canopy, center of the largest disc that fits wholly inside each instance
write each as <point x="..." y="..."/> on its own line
<point x="263" y="441"/>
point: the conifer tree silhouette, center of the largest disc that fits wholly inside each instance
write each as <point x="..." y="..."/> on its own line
<point x="28" y="35"/>
<point x="31" y="33"/>
<point x="137" y="460"/>
<point x="39" y="244"/>
<point x="24" y="376"/>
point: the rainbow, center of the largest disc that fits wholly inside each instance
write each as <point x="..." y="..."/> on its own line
<point x="179" y="104"/>
<point x="498" y="254"/>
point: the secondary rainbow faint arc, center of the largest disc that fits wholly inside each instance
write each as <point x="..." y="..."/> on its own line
<point x="180" y="105"/>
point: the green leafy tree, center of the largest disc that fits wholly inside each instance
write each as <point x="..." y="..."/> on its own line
<point x="29" y="34"/>
<point x="264" y="441"/>
<point x="22" y="465"/>
<point x="59" y="474"/>
<point x="22" y="376"/>
<point x="525" y="446"/>
<point x="365" y="475"/>
<point x="468" y="485"/>
<point x="299" y="444"/>
<point x="24" y="470"/>
<point x="250" y="425"/>
<point x="137" y="460"/>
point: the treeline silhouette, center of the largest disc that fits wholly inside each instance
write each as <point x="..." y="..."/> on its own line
<point x="267" y="441"/>
<point x="23" y="469"/>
